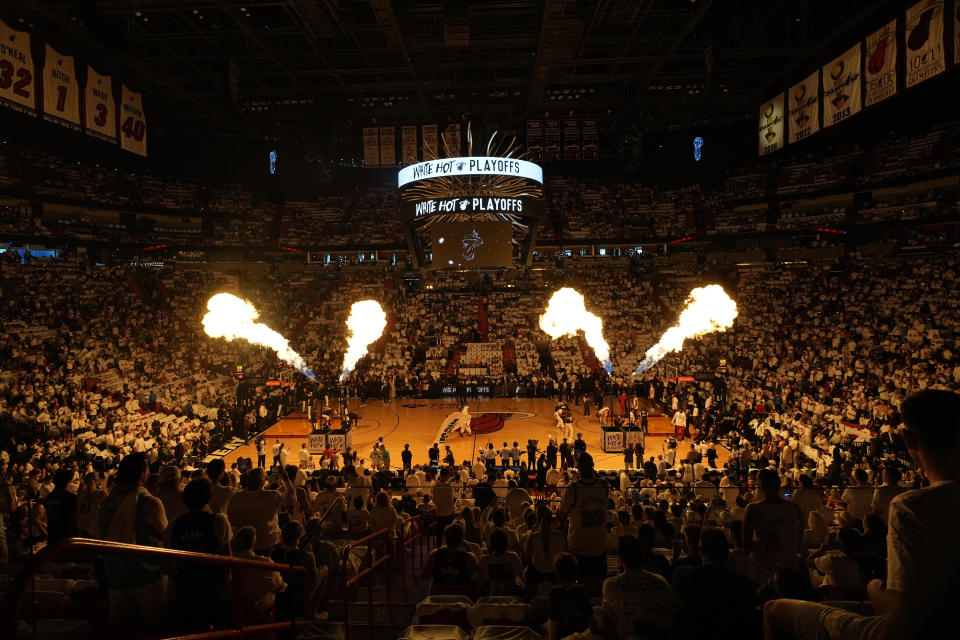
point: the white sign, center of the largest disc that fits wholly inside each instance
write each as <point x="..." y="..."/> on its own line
<point x="479" y="165"/>
<point x="468" y="205"/>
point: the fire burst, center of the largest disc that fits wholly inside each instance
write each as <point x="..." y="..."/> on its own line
<point x="365" y="324"/>
<point x="230" y="317"/>
<point x="708" y="309"/>
<point x="566" y="314"/>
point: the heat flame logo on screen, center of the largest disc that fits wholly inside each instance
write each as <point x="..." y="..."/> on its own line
<point x="471" y="243"/>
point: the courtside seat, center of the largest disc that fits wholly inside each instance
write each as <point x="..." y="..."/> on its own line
<point x="445" y="610"/>
<point x="433" y="632"/>
<point x="500" y="610"/>
<point x="505" y="632"/>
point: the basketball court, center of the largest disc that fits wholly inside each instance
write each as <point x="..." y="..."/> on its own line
<point x="417" y="422"/>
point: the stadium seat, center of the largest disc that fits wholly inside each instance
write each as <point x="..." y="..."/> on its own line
<point x="499" y="610"/>
<point x="445" y="610"/>
<point x="433" y="632"/>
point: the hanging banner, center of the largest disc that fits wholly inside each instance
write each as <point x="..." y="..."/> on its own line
<point x="771" y="125"/>
<point x="591" y="139"/>
<point x="408" y="135"/>
<point x="535" y="140"/>
<point x="880" y="71"/>
<point x="371" y="147"/>
<point x="429" y="141"/>
<point x="388" y="146"/>
<point x="571" y="139"/>
<point x="841" y="87"/>
<point x="804" y="108"/>
<point x="924" y="55"/>
<point x="133" y="124"/>
<point x="451" y="141"/>
<point x="61" y="92"/>
<point x="100" y="109"/>
<point x="956" y="32"/>
<point x="18" y="86"/>
<point x="551" y="140"/>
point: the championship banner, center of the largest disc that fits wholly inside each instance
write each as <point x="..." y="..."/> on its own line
<point x="535" y="140"/>
<point x="18" y="87"/>
<point x="388" y="146"/>
<point x="100" y="109"/>
<point x="133" y="124"/>
<point x="804" y="110"/>
<point x="409" y="137"/>
<point x="571" y="139"/>
<point x="429" y="141"/>
<point x="451" y="140"/>
<point x="371" y="147"/>
<point x="841" y="87"/>
<point x="551" y="140"/>
<point x="591" y="139"/>
<point x="880" y="72"/>
<point x="771" y="126"/>
<point x="924" y="55"/>
<point x="61" y="92"/>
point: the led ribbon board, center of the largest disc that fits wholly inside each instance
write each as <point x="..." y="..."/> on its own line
<point x="471" y="165"/>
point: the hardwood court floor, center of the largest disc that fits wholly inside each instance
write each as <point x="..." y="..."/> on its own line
<point x="417" y="423"/>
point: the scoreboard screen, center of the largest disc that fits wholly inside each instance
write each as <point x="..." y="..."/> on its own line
<point x="466" y="245"/>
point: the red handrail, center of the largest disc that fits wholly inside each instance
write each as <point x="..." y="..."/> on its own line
<point x="101" y="547"/>
<point x="381" y="547"/>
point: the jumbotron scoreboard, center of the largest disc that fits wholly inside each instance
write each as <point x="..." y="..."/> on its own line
<point x="471" y="212"/>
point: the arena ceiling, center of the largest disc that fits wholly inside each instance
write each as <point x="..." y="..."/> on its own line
<point x="315" y="67"/>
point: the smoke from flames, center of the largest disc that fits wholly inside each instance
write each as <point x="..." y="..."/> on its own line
<point x="365" y="324"/>
<point x="566" y="314"/>
<point x="230" y="317"/>
<point x="708" y="309"/>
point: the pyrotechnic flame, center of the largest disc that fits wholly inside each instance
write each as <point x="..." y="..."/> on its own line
<point x="230" y="317"/>
<point x="366" y="323"/>
<point x="708" y="309"/>
<point x="566" y="314"/>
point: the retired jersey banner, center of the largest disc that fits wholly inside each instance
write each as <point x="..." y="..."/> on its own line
<point x="61" y="92"/>
<point x="429" y="141"/>
<point x="804" y="108"/>
<point x="371" y="147"/>
<point x="880" y="72"/>
<point x="551" y="140"/>
<point x="956" y="32"/>
<point x="841" y="87"/>
<point x="133" y="123"/>
<point x="388" y="146"/>
<point x="535" y="140"/>
<point x="100" y="109"/>
<point x="18" y="86"/>
<point x="771" y="126"/>
<point x="408" y="136"/>
<point x="924" y="54"/>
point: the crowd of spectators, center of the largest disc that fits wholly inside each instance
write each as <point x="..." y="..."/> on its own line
<point x="576" y="208"/>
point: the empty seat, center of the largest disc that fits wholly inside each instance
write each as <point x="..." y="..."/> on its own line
<point x="433" y="632"/>
<point x="445" y="610"/>
<point x="500" y="610"/>
<point x="505" y="632"/>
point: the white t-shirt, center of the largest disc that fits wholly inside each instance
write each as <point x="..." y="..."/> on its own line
<point x="585" y="503"/>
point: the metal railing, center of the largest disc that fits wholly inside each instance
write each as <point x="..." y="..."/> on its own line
<point x="381" y="547"/>
<point x="19" y="587"/>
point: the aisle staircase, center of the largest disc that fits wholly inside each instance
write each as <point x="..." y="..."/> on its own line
<point x="483" y="321"/>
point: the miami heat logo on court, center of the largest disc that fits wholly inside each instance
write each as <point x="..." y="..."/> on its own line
<point x="466" y="423"/>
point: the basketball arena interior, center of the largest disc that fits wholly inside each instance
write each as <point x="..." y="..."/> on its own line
<point x="479" y="319"/>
